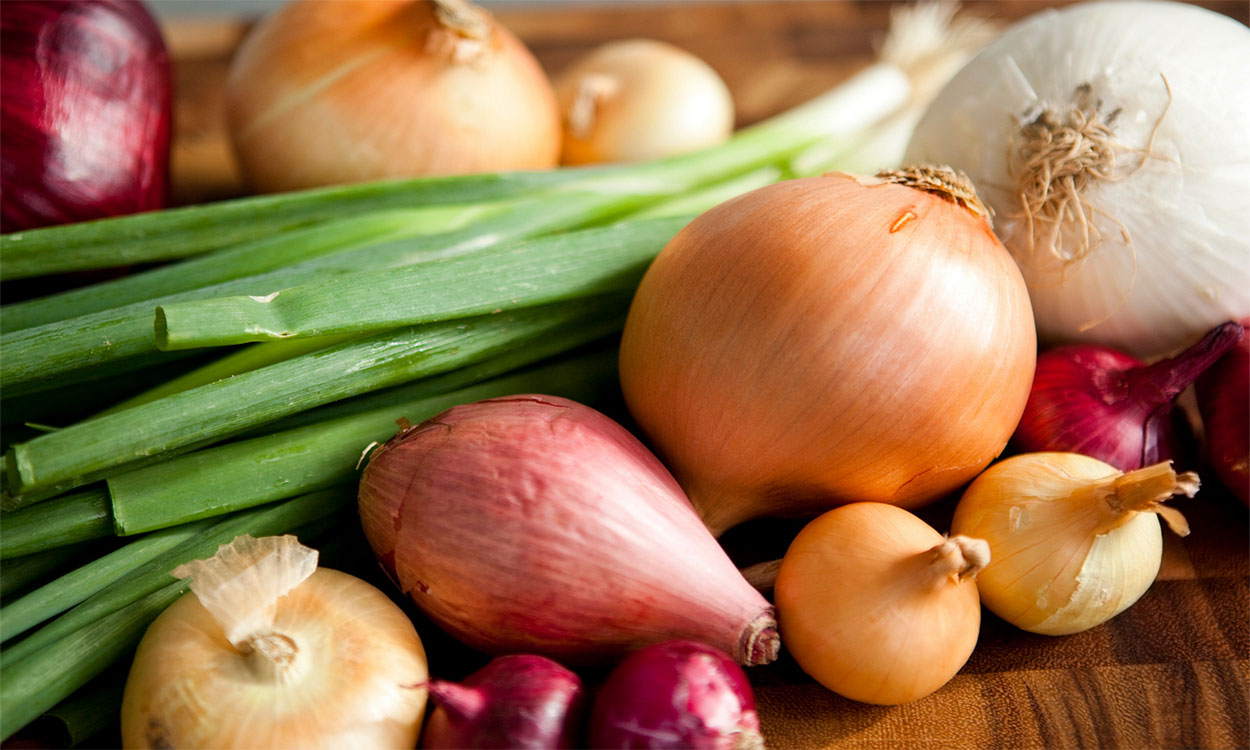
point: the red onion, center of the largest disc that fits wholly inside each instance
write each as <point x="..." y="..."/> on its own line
<point x="1101" y="402"/>
<point x="535" y="524"/>
<point x="1223" y="394"/>
<point x="677" y="694"/>
<point x="518" y="701"/>
<point x="85" y="114"/>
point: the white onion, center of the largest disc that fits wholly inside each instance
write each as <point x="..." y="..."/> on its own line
<point x="1168" y="256"/>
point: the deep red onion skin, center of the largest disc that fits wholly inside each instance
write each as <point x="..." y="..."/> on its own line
<point x="1103" y="403"/>
<point x="520" y="701"/>
<point x="535" y="524"/>
<point x="85" y="114"/>
<point x="676" y="694"/>
<point x="1223" y="394"/>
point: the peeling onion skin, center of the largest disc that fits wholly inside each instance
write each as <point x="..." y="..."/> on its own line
<point x="326" y="92"/>
<point x="535" y="524"/>
<point x="828" y="340"/>
<point x="356" y="682"/>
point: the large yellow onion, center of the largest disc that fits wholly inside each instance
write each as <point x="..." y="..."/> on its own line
<point x="326" y="92"/>
<point x="827" y="340"/>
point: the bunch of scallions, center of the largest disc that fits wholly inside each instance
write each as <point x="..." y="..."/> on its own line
<point x="232" y="388"/>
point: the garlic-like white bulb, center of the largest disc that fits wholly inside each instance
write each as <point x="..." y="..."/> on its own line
<point x="1073" y="541"/>
<point x="270" y="651"/>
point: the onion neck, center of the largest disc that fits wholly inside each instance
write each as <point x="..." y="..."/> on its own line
<point x="1145" y="490"/>
<point x="956" y="559"/>
<point x="271" y="656"/>
<point x="943" y="182"/>
<point x="759" y="642"/>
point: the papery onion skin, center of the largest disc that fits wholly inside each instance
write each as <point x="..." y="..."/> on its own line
<point x="1223" y="394"/>
<point x="828" y="340"/>
<point x="1168" y="78"/>
<point x="356" y="682"/>
<point x="86" y="112"/>
<point x="676" y="694"/>
<point x="536" y="524"/>
<point x="327" y="92"/>
<point x="1064" y="559"/>
<point x="865" y="609"/>
<point x="640" y="99"/>
<point x="516" y="701"/>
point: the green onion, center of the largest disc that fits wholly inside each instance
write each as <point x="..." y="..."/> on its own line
<point x="97" y="447"/>
<point x="191" y="230"/>
<point x="142" y="579"/>
<point x="281" y="465"/>
<point x="72" y="518"/>
<point x="510" y="276"/>
<point x="77" y="585"/>
<point x="33" y="685"/>
<point x="89" y="711"/>
<point x="248" y="259"/>
<point x="20" y="572"/>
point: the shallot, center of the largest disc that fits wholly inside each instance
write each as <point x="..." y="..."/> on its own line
<point x="536" y="524"/>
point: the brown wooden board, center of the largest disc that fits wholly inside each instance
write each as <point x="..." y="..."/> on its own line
<point x="1170" y="672"/>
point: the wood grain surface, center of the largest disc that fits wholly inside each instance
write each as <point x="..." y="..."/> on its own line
<point x="1171" y="672"/>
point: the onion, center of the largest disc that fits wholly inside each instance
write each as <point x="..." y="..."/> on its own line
<point x="268" y="650"/>
<point x="334" y="91"/>
<point x="85" y="112"/>
<point x="676" y="694"/>
<point x="516" y="701"/>
<point x="877" y="605"/>
<point x="1223" y="394"/>
<point x="535" y="524"/>
<point x="641" y="99"/>
<point x="1102" y="403"/>
<point x="1073" y="541"/>
<point x="1110" y="140"/>
<point x="827" y="340"/>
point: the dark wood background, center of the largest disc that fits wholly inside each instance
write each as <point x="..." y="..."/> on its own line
<point x="1172" y="671"/>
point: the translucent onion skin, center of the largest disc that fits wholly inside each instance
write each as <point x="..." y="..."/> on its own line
<point x="356" y="680"/>
<point x="327" y="92"/>
<point x="828" y="340"/>
<point x="86" y="112"/>
<point x="535" y="524"/>
<point x="869" y="607"/>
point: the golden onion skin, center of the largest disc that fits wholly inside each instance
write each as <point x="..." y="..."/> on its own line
<point x="828" y="340"/>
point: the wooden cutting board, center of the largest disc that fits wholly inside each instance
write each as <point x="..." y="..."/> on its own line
<point x="1172" y="671"/>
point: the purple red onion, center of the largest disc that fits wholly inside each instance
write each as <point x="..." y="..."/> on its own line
<point x="1223" y="394"/>
<point x="1105" y="404"/>
<point x="676" y="694"/>
<point x="518" y="701"/>
<point x="86" y="111"/>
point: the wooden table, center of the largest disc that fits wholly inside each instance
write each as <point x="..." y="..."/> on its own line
<point x="1172" y="671"/>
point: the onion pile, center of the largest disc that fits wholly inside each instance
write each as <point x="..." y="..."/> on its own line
<point x="327" y="92"/>
<point x="827" y="340"/>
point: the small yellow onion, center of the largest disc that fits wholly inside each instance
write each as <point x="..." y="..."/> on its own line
<point x="640" y="99"/>
<point x="878" y="606"/>
<point x="269" y="651"/>
<point x="829" y="340"/>
<point x="326" y="92"/>
<point x="1074" y="540"/>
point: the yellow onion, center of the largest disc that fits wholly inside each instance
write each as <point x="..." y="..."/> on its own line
<point x="828" y="340"/>
<point x="335" y="91"/>
<point x="269" y="651"/>
<point x="1074" y="540"/>
<point x="640" y="99"/>
<point x="878" y="606"/>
